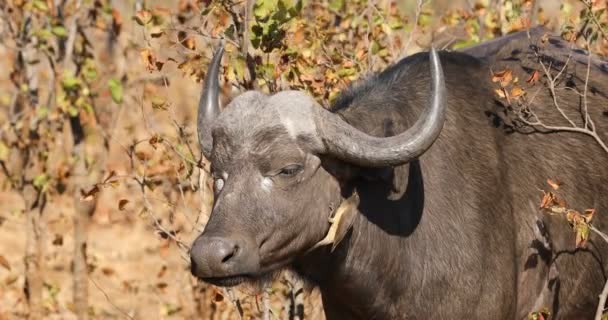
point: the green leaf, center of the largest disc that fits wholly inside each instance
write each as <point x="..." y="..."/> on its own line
<point x="89" y="70"/>
<point x="44" y="34"/>
<point x="42" y="112"/>
<point x="159" y="102"/>
<point x="116" y="90"/>
<point x="263" y="8"/>
<point x="375" y="47"/>
<point x="72" y="111"/>
<point x="69" y="82"/>
<point x="41" y="181"/>
<point x="336" y="5"/>
<point x="40" y="5"/>
<point x="345" y="72"/>
<point x="464" y="44"/>
<point x="60" y="31"/>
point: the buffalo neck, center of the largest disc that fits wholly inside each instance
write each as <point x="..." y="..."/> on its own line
<point x="368" y="270"/>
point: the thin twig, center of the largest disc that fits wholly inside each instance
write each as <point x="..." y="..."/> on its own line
<point x="552" y="81"/>
<point x="73" y="28"/>
<point x="128" y="316"/>
<point x="600" y="307"/>
<point x="419" y="5"/>
<point x="590" y="133"/>
<point x="599" y="233"/>
<point x="604" y="295"/>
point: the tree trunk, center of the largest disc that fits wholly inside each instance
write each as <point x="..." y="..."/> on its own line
<point x="83" y="209"/>
<point x="33" y="256"/>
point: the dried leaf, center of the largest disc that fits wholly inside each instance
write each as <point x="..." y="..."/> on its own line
<point x="149" y="59"/>
<point x="142" y="155"/>
<point x="142" y="17"/>
<point x="588" y="215"/>
<point x="155" y="140"/>
<point x="517" y="92"/>
<point x="159" y="102"/>
<point x="189" y="43"/>
<point x="162" y="271"/>
<point x="500" y="93"/>
<point x="548" y="200"/>
<point x="89" y="195"/>
<point x="122" y="203"/>
<point x="116" y="21"/>
<point x="156" y="32"/>
<point x="533" y="77"/>
<point x="58" y="240"/>
<point x="107" y="271"/>
<point x="4" y="263"/>
<point x="110" y="176"/>
<point x="218" y="297"/>
<point x="505" y="77"/>
<point x="555" y="184"/>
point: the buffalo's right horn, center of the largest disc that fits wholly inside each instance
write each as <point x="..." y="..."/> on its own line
<point x="208" y="106"/>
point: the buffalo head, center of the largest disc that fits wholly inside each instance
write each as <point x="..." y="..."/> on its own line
<point x="273" y="187"/>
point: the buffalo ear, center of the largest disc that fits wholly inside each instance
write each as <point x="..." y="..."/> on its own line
<point x="344" y="172"/>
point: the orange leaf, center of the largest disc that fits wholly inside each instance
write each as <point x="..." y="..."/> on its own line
<point x="517" y="92"/>
<point x="533" y="77"/>
<point x="162" y="271"/>
<point x="505" y="77"/>
<point x="4" y="263"/>
<point x="107" y="271"/>
<point x="555" y="184"/>
<point x="548" y="200"/>
<point x="588" y="215"/>
<point x="148" y="59"/>
<point x="189" y="43"/>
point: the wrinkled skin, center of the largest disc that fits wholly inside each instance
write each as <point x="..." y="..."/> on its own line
<point x="456" y="235"/>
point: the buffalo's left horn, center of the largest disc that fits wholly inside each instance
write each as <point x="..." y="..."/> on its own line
<point x="209" y="106"/>
<point x="345" y="142"/>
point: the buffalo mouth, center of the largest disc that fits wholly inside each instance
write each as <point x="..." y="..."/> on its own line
<point x="254" y="280"/>
<point x="229" y="281"/>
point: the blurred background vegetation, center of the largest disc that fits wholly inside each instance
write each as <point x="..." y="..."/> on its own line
<point x="102" y="184"/>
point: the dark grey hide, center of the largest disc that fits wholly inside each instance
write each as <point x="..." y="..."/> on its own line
<point x="456" y="234"/>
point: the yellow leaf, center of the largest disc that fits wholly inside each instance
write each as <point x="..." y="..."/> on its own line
<point x="517" y="92"/>
<point x="500" y="93"/>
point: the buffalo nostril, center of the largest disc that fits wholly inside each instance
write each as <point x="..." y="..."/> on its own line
<point x="231" y="254"/>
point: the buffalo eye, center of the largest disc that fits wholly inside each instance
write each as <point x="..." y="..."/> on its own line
<point x="290" y="170"/>
<point x="218" y="184"/>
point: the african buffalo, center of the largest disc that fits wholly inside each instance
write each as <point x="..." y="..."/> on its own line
<point x="416" y="195"/>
